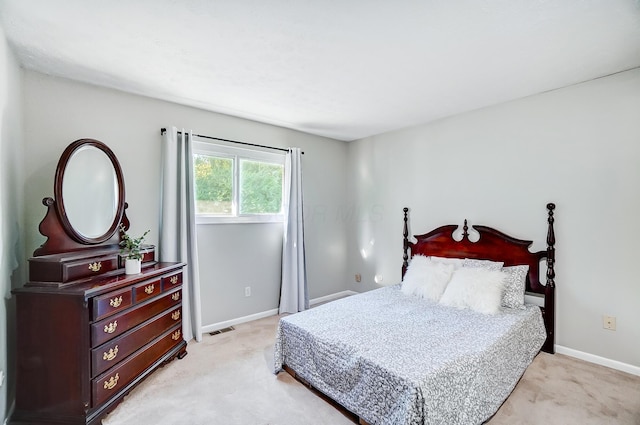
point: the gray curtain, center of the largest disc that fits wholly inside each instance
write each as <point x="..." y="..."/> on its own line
<point x="177" y="223"/>
<point x="294" y="296"/>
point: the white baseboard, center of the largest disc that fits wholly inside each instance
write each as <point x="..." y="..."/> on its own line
<point x="602" y="361"/>
<point x="592" y="358"/>
<point x="331" y="297"/>
<point x="221" y="325"/>
<point x="237" y="321"/>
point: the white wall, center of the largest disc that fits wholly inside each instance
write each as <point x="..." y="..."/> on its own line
<point x="578" y="147"/>
<point x="11" y="222"/>
<point x="59" y="111"/>
<point x="499" y="166"/>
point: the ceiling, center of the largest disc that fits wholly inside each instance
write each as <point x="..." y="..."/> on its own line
<point x="342" y="69"/>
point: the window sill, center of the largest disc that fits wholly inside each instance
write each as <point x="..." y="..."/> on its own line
<point x="248" y="219"/>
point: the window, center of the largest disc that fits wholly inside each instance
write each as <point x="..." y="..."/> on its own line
<point x="237" y="185"/>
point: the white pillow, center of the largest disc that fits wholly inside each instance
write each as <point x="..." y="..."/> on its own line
<point x="485" y="264"/>
<point x="514" y="286"/>
<point x="436" y="280"/>
<point x="455" y="294"/>
<point x="457" y="262"/>
<point x="475" y="288"/>
<point x="414" y="276"/>
<point x="426" y="279"/>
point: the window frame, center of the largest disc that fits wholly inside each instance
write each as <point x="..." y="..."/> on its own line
<point x="238" y="154"/>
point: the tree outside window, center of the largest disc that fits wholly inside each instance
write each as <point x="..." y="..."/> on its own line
<point x="237" y="184"/>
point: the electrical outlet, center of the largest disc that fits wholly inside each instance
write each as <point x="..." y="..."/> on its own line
<point x="378" y="278"/>
<point x="358" y="277"/>
<point x="247" y="291"/>
<point x="609" y="322"/>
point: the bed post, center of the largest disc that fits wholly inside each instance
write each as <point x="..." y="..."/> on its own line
<point x="405" y="245"/>
<point x="550" y="288"/>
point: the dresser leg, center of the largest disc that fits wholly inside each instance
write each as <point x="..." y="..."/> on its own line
<point x="182" y="353"/>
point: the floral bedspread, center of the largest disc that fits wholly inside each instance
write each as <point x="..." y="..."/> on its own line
<point x="397" y="359"/>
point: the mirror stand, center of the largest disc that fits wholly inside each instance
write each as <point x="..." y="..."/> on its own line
<point x="83" y="219"/>
<point x="57" y="239"/>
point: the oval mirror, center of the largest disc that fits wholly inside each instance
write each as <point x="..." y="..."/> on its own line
<point x="89" y="191"/>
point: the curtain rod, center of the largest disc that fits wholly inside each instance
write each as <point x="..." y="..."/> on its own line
<point x="163" y="130"/>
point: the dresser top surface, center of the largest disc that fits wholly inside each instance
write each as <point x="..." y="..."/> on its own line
<point x="97" y="285"/>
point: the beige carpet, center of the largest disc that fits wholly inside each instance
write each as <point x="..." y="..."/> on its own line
<point x="227" y="380"/>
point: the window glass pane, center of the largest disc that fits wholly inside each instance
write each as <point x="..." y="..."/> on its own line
<point x="260" y="187"/>
<point x="213" y="178"/>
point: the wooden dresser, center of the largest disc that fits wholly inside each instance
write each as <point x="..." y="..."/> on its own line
<point x="86" y="332"/>
<point x="84" y="345"/>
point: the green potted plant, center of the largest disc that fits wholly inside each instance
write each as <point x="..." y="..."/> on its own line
<point x="130" y="250"/>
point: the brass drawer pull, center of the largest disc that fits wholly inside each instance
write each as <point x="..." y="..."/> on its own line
<point x="111" y="327"/>
<point x="175" y="296"/>
<point x="94" y="267"/>
<point x="112" y="382"/>
<point x="175" y="315"/>
<point x="176" y="335"/>
<point x="174" y="279"/>
<point x="111" y="354"/>
<point x="149" y="289"/>
<point x="115" y="302"/>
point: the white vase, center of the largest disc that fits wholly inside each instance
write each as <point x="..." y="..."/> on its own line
<point x="132" y="266"/>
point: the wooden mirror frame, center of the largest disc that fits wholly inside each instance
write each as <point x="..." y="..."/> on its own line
<point x="60" y="233"/>
<point x="58" y="191"/>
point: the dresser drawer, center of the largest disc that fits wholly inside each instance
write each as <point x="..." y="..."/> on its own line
<point x="88" y="267"/>
<point x="60" y="269"/>
<point x="113" y="302"/>
<point x="118" y="324"/>
<point x="146" y="290"/>
<point x="116" y="378"/>
<point x="172" y="281"/>
<point x="148" y="256"/>
<point x="116" y="350"/>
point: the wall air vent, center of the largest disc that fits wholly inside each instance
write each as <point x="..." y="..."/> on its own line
<point x="223" y="330"/>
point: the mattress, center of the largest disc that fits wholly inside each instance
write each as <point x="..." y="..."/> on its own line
<point x="397" y="359"/>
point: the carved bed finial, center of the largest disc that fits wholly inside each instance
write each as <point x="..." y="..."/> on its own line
<point x="551" y="250"/>
<point x="465" y="228"/>
<point x="550" y="287"/>
<point x="405" y="233"/>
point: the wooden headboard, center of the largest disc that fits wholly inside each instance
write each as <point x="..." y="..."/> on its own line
<point x="497" y="246"/>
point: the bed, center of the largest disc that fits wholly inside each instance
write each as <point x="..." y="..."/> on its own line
<point x="389" y="356"/>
